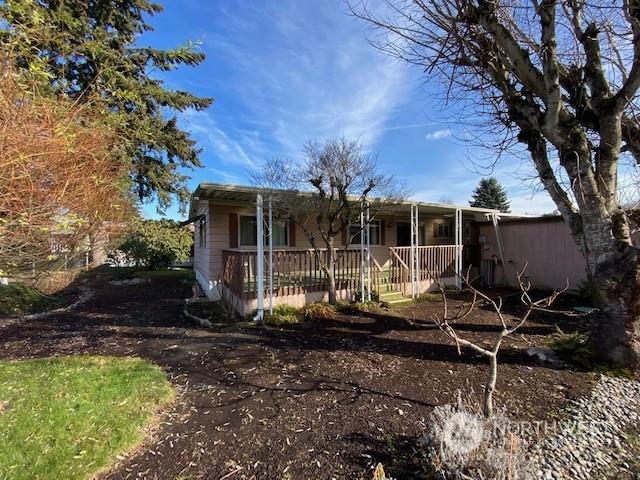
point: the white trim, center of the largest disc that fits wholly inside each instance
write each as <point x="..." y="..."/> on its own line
<point x="415" y="258"/>
<point x="270" y="230"/>
<point x="458" y="238"/>
<point x="260" y="257"/>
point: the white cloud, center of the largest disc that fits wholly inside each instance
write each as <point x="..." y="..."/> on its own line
<point x="439" y="134"/>
<point x="225" y="148"/>
<point x="306" y="70"/>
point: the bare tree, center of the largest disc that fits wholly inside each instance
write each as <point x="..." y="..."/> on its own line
<point x="325" y="193"/>
<point x="559" y="80"/>
<point x="446" y="323"/>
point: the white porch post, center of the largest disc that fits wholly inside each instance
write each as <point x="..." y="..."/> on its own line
<point x="458" y="236"/>
<point x="368" y="260"/>
<point x="270" y="227"/>
<point x="365" y="256"/>
<point x="415" y="257"/>
<point x="260" y="257"/>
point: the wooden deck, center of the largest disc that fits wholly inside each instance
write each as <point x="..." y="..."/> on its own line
<point x="298" y="271"/>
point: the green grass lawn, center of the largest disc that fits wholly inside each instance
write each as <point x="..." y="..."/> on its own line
<point x="69" y="417"/>
<point x="18" y="299"/>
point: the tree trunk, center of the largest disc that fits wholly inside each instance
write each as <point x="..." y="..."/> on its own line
<point x="331" y="279"/>
<point x="617" y="332"/>
<point x="490" y="386"/>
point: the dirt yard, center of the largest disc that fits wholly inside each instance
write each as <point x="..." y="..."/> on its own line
<point x="314" y="401"/>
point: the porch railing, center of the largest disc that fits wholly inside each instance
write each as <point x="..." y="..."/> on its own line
<point x="298" y="271"/>
<point x="434" y="261"/>
<point x="294" y="272"/>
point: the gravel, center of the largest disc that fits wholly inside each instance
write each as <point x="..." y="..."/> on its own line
<point x="592" y="436"/>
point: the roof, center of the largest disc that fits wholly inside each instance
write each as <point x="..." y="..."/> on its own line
<point x="509" y="218"/>
<point x="242" y="195"/>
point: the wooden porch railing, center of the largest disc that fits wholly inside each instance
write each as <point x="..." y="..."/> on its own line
<point x="298" y="271"/>
<point x="294" y="272"/>
<point x="434" y="261"/>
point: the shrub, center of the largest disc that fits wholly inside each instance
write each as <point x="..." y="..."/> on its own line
<point x="282" y="315"/>
<point x="154" y="244"/>
<point x="318" y="311"/>
<point x="464" y="444"/>
<point x="18" y="299"/>
<point x="575" y="348"/>
<point x="357" y="296"/>
<point x="343" y="307"/>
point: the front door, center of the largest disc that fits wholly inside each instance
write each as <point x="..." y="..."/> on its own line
<point x="403" y="234"/>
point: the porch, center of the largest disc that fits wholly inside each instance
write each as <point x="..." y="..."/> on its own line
<point x="298" y="273"/>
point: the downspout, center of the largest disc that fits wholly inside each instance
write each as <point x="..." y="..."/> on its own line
<point x="496" y="229"/>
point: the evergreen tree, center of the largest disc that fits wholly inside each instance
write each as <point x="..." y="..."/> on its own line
<point x="83" y="47"/>
<point x="490" y="194"/>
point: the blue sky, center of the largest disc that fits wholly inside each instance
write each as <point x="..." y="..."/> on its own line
<point x="284" y="72"/>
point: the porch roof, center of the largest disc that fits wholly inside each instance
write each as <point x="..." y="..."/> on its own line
<point x="242" y="195"/>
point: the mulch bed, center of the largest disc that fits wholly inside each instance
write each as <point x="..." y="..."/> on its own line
<point x="327" y="400"/>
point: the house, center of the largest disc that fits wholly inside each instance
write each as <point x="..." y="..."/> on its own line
<point x="391" y="265"/>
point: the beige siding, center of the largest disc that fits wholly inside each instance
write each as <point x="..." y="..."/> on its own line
<point x="546" y="245"/>
<point x="220" y="234"/>
<point x="201" y="255"/>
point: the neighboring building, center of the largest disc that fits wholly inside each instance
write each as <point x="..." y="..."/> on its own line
<point x="225" y="248"/>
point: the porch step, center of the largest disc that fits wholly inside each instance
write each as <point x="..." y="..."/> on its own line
<point x="390" y="295"/>
<point x="401" y="301"/>
<point x="393" y="297"/>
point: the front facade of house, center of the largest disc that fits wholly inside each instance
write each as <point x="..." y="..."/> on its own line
<point x="225" y="251"/>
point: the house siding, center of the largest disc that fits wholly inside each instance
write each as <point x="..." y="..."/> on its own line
<point x="546" y="245"/>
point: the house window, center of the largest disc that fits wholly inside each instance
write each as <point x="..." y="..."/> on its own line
<point x="356" y="235"/>
<point x="202" y="232"/>
<point x="442" y="230"/>
<point x="249" y="232"/>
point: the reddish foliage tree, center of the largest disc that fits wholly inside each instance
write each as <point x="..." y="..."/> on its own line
<point x="59" y="183"/>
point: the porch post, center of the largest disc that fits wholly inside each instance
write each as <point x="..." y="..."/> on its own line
<point x="458" y="236"/>
<point x="260" y="257"/>
<point x="361" y="253"/>
<point x="270" y="227"/>
<point x="368" y="262"/>
<point x="415" y="257"/>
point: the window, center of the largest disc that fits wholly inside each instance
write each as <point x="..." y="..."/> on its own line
<point x="202" y="232"/>
<point x="403" y="234"/>
<point x="355" y="235"/>
<point x="442" y="230"/>
<point x="249" y="232"/>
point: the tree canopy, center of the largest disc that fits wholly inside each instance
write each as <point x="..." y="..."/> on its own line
<point x="559" y="82"/>
<point x="79" y="48"/>
<point x="490" y="194"/>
